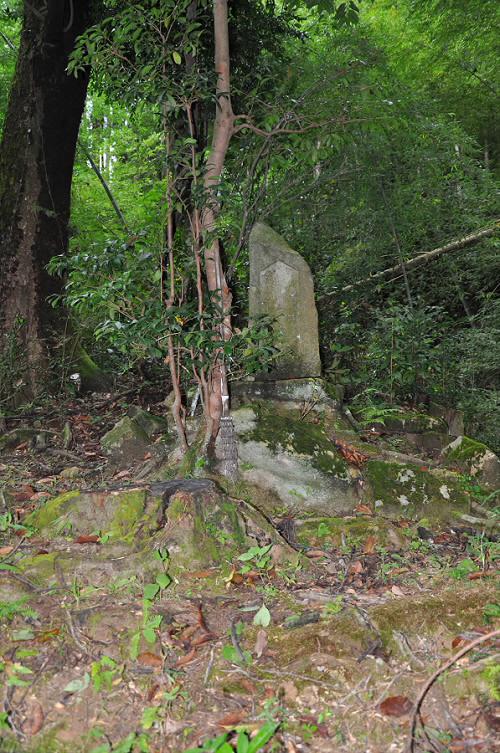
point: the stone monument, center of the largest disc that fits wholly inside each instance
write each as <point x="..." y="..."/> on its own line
<point x="281" y="286"/>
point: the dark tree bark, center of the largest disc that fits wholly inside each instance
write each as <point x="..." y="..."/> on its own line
<point x="36" y="166"/>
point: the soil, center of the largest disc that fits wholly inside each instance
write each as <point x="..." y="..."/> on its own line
<point x="122" y="650"/>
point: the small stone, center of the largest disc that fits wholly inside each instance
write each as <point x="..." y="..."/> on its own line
<point x="71" y="472"/>
<point x="67" y="436"/>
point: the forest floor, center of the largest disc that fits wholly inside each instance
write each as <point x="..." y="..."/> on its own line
<point x="329" y="655"/>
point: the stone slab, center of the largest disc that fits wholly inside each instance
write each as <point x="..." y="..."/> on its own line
<point x="281" y="286"/>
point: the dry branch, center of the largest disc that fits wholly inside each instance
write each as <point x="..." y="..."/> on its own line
<point x="430" y="682"/>
<point x="417" y="261"/>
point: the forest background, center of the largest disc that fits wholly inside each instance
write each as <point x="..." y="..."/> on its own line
<point x="387" y="147"/>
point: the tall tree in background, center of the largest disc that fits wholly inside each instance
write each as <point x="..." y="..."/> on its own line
<point x="36" y="164"/>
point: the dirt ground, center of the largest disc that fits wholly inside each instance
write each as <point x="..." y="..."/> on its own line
<point x="329" y="653"/>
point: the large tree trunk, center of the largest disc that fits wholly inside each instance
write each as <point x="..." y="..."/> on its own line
<point x="36" y="165"/>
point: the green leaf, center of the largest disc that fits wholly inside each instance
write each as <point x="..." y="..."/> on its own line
<point x="242" y="743"/>
<point x="126" y="745"/>
<point x="163" y="580"/>
<point x="149" y="635"/>
<point x="150" y="590"/>
<point x="150" y="716"/>
<point x="263" y="617"/>
<point x="79" y="684"/>
<point x="177" y="58"/>
<point x="25" y="634"/>
<point x="134" y="645"/>
<point x="262" y="737"/>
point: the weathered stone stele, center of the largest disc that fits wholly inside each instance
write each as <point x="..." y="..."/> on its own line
<point x="281" y="285"/>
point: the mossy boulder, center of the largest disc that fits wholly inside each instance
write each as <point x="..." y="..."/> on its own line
<point x="475" y="458"/>
<point x="293" y="457"/>
<point x="193" y="519"/>
<point x="121" y="514"/>
<point x="401" y="421"/>
<point x="413" y="491"/>
<point x="152" y="425"/>
<point x="126" y="442"/>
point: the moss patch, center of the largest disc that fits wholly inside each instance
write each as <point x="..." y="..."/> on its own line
<point x="456" y="609"/>
<point x="352" y="532"/>
<point x="282" y="429"/>
<point x="408" y="490"/>
<point x="51" y="511"/>
<point x="465" y="450"/>
<point x="120" y="514"/>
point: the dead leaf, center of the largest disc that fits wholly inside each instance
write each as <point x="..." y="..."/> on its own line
<point x="350" y="453"/>
<point x="356" y="567"/>
<point x="204" y="638"/>
<point x="153" y="690"/>
<point x="315" y="554"/>
<point x="442" y="538"/>
<point x="363" y="509"/>
<point x="24" y="493"/>
<point x="458" y="641"/>
<point x="397" y="591"/>
<point x="188" y="632"/>
<point x="121" y="474"/>
<point x="22" y="447"/>
<point x="260" y="643"/>
<point x="47" y="635"/>
<point x="370" y="544"/>
<point x="290" y="691"/>
<point x="40" y="495"/>
<point x="91" y="538"/>
<point x="6" y="550"/>
<point x="201" y="573"/>
<point x="187" y="659"/>
<point x="33" y="722"/>
<point x="396" y="705"/>
<point x="482" y="574"/>
<point x="248" y="685"/>
<point x="232" y="719"/>
<point x="201" y="619"/>
<point x="150" y="660"/>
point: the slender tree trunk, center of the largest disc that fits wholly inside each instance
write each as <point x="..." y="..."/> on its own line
<point x="216" y="280"/>
<point x="36" y="165"/>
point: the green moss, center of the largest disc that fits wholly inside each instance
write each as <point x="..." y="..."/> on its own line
<point x="51" y="511"/>
<point x="407" y="489"/>
<point x="282" y="429"/>
<point x="129" y="513"/>
<point x="350" y="531"/>
<point x="455" y="608"/>
<point x="44" y="568"/>
<point x="466" y="449"/>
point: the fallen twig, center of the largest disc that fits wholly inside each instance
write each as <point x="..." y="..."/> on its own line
<point x="430" y="682"/>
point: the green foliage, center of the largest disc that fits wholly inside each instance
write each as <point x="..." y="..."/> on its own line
<point x="104" y="672"/>
<point x="10" y="609"/>
<point x="491" y="675"/>
<point x="243" y="743"/>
